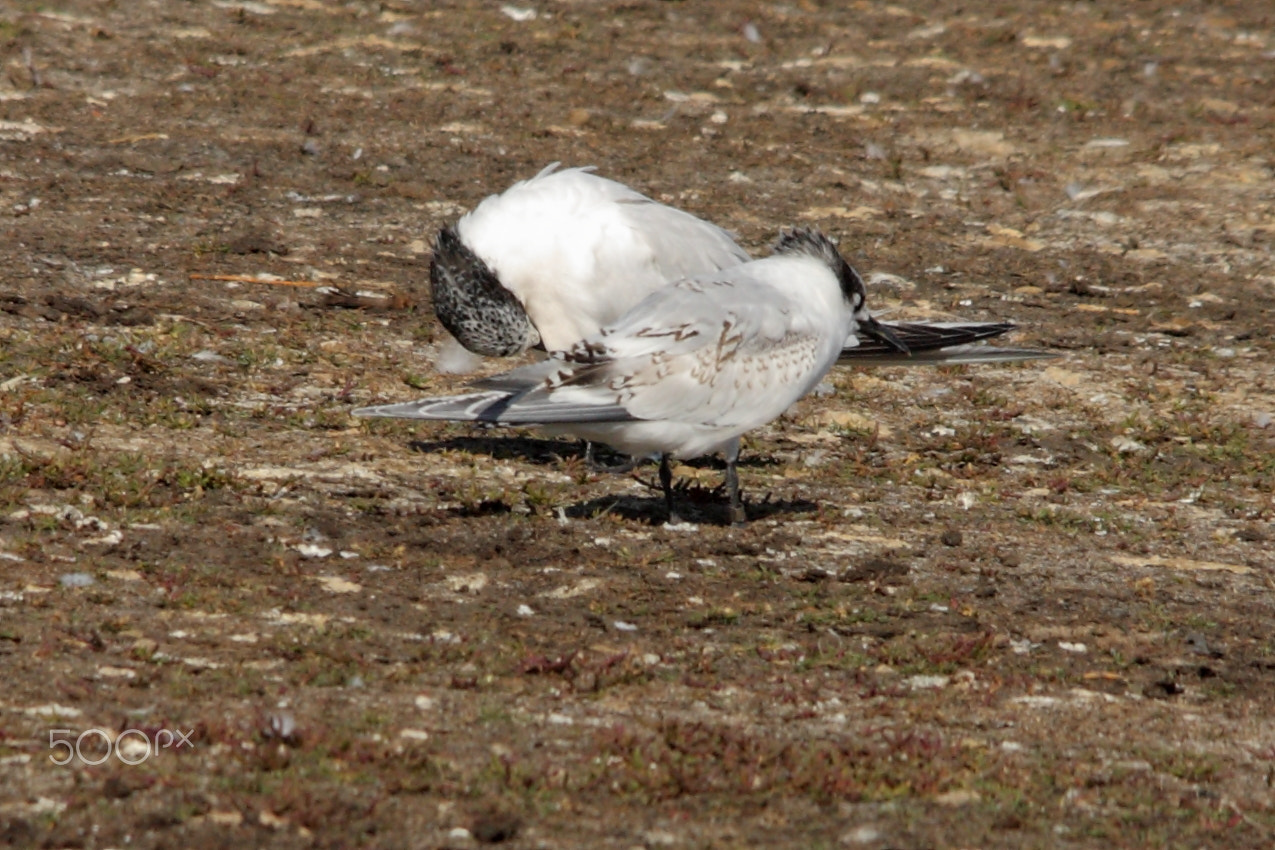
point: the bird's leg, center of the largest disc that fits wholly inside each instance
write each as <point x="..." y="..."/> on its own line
<point x="666" y="482"/>
<point x="738" y="517"/>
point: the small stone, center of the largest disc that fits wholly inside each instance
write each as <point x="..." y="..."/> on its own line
<point x="459" y="837"/>
<point x="282" y="726"/>
<point x="951" y="537"/>
<point x="816" y="458"/>
<point x="861" y="835"/>
<point x="76" y="580"/>
<point x="1127" y="445"/>
<point x="496" y="827"/>
<point x="336" y="584"/>
<point x="880" y="570"/>
<point x="959" y="797"/>
<point x="1162" y="690"/>
<point x="1251" y="534"/>
<point x="120" y="786"/>
<point x="254" y="240"/>
<point x="518" y="13"/>
<point x="926" y="683"/>
<point x="1199" y="644"/>
<point x="109" y="672"/>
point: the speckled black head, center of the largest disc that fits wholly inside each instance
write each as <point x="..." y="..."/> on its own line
<point x="807" y="240"/>
<point x="472" y="303"/>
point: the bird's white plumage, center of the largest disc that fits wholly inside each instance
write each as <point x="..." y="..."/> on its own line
<point x="578" y="250"/>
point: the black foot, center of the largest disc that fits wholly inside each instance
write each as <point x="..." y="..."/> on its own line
<point x="615" y="468"/>
<point x="595" y="465"/>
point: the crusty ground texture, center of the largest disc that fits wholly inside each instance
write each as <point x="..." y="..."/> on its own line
<point x="992" y="607"/>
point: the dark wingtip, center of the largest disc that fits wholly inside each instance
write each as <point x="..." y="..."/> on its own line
<point x="885" y="335"/>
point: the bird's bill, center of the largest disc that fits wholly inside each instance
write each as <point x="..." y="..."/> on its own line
<point x="883" y="334"/>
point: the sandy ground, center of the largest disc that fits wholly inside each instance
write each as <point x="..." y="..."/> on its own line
<point x="1026" y="606"/>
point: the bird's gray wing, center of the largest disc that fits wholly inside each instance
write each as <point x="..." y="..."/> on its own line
<point x="937" y="343"/>
<point x="956" y="355"/>
<point x="681" y="244"/>
<point x="498" y="407"/>
<point x="924" y="336"/>
<point x="725" y="351"/>
<point x="719" y="351"/>
<point x="471" y="407"/>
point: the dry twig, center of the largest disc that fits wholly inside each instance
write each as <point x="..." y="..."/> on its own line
<point x="243" y="278"/>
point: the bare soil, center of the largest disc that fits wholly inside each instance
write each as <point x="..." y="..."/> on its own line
<point x="1027" y="606"/>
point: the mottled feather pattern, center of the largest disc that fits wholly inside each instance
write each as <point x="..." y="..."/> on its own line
<point x="778" y="363"/>
<point x="677" y="333"/>
<point x="471" y="303"/>
<point x="659" y="364"/>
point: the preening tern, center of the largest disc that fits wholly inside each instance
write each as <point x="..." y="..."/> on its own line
<point x="554" y="259"/>
<point x="690" y="368"/>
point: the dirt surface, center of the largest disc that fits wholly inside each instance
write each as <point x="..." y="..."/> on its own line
<point x="1026" y="606"/>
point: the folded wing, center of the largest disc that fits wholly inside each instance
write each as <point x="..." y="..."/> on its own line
<point x="722" y="353"/>
<point x="938" y="343"/>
